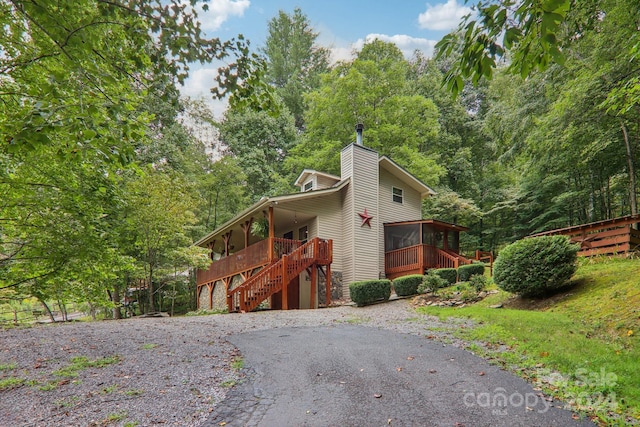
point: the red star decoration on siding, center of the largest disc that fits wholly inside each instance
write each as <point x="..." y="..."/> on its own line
<point x="366" y="218"/>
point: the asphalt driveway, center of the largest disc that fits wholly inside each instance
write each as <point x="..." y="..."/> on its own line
<point x="349" y="375"/>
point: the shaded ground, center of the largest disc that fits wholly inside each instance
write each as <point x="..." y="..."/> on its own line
<point x="179" y="371"/>
<point x="347" y="375"/>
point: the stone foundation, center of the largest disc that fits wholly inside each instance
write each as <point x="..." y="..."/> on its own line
<point x="203" y="298"/>
<point x="336" y="288"/>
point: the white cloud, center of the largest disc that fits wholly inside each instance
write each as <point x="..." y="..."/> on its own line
<point x="219" y="11"/>
<point x="406" y="44"/>
<point x="199" y="85"/>
<point x="443" y="16"/>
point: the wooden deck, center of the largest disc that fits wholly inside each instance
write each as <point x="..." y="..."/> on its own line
<point x="416" y="259"/>
<point x="247" y="260"/>
<point x="612" y="236"/>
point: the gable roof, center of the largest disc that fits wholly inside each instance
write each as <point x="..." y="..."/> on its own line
<point x="309" y="172"/>
<point x="264" y="203"/>
<point x="413" y="182"/>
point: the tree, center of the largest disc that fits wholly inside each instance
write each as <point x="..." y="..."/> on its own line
<point x="372" y="90"/>
<point x="260" y="143"/>
<point x="294" y="61"/>
<point x="74" y="79"/>
<point x="159" y="215"/>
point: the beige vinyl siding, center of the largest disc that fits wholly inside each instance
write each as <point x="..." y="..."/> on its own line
<point x="327" y="224"/>
<point x="361" y="258"/>
<point x="324" y="182"/>
<point x="409" y="210"/>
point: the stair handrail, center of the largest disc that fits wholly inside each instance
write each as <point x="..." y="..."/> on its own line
<point x="290" y="265"/>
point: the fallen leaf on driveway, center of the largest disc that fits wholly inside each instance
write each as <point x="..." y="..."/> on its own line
<point x="377" y="396"/>
<point x="410" y="358"/>
<point x="481" y="373"/>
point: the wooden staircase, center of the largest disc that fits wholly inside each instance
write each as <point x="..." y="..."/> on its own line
<point x="276" y="276"/>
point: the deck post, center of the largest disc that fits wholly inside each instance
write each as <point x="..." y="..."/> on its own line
<point x="328" y="287"/>
<point x="272" y="234"/>
<point x="314" y="285"/>
<point x="285" y="283"/>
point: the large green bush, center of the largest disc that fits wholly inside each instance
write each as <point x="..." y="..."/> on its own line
<point x="466" y="271"/>
<point x="448" y="274"/>
<point x="368" y="291"/>
<point x="407" y="285"/>
<point x="536" y="265"/>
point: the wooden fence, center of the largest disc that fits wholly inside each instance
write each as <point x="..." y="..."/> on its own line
<point x="612" y="236"/>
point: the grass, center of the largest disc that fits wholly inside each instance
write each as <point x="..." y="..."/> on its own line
<point x="228" y="383"/>
<point x="133" y="392"/>
<point x="81" y="362"/>
<point x="115" y="417"/>
<point x="148" y="346"/>
<point x="205" y="312"/>
<point x="575" y="345"/>
<point x="8" y="366"/>
<point x="109" y="390"/>
<point x="237" y="363"/>
<point x="10" y="382"/>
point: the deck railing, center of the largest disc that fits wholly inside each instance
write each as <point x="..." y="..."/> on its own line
<point x="247" y="259"/>
<point x="415" y="259"/>
<point x="272" y="278"/>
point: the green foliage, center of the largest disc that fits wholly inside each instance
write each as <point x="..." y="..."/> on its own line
<point x="535" y="266"/>
<point x="465" y="272"/>
<point x="374" y="90"/>
<point x="478" y="282"/>
<point x="432" y="282"/>
<point x="407" y="285"/>
<point x="530" y="33"/>
<point x="260" y="143"/>
<point x="366" y="292"/>
<point x="80" y="104"/>
<point x="294" y="60"/>
<point x="448" y="274"/>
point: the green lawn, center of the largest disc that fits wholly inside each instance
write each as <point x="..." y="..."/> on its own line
<point x="580" y="345"/>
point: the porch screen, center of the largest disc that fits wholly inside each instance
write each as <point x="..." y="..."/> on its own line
<point x="401" y="236"/>
<point x="453" y="241"/>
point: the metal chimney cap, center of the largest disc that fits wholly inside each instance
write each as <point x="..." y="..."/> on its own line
<point x="359" y="127"/>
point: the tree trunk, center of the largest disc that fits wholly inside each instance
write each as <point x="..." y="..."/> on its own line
<point x="117" y="314"/>
<point x="46" y="307"/>
<point x="152" y="305"/>
<point x="632" y="172"/>
<point x="63" y="311"/>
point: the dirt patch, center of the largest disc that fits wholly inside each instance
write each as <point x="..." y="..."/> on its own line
<point x="544" y="302"/>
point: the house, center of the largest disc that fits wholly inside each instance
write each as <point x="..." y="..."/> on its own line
<point x="363" y="224"/>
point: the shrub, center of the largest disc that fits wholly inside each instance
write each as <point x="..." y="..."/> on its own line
<point x="535" y="266"/>
<point x="478" y="282"/>
<point x="407" y="285"/>
<point x="369" y="291"/>
<point x="432" y="282"/>
<point x="448" y="274"/>
<point x="466" y="271"/>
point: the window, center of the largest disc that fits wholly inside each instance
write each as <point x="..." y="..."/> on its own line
<point x="307" y="186"/>
<point x="303" y="234"/>
<point x="397" y="194"/>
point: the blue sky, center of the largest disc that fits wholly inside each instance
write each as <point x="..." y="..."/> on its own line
<point x="342" y="25"/>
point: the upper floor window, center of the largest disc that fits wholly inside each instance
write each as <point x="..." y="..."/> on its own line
<point x="308" y="186"/>
<point x="397" y="194"/>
